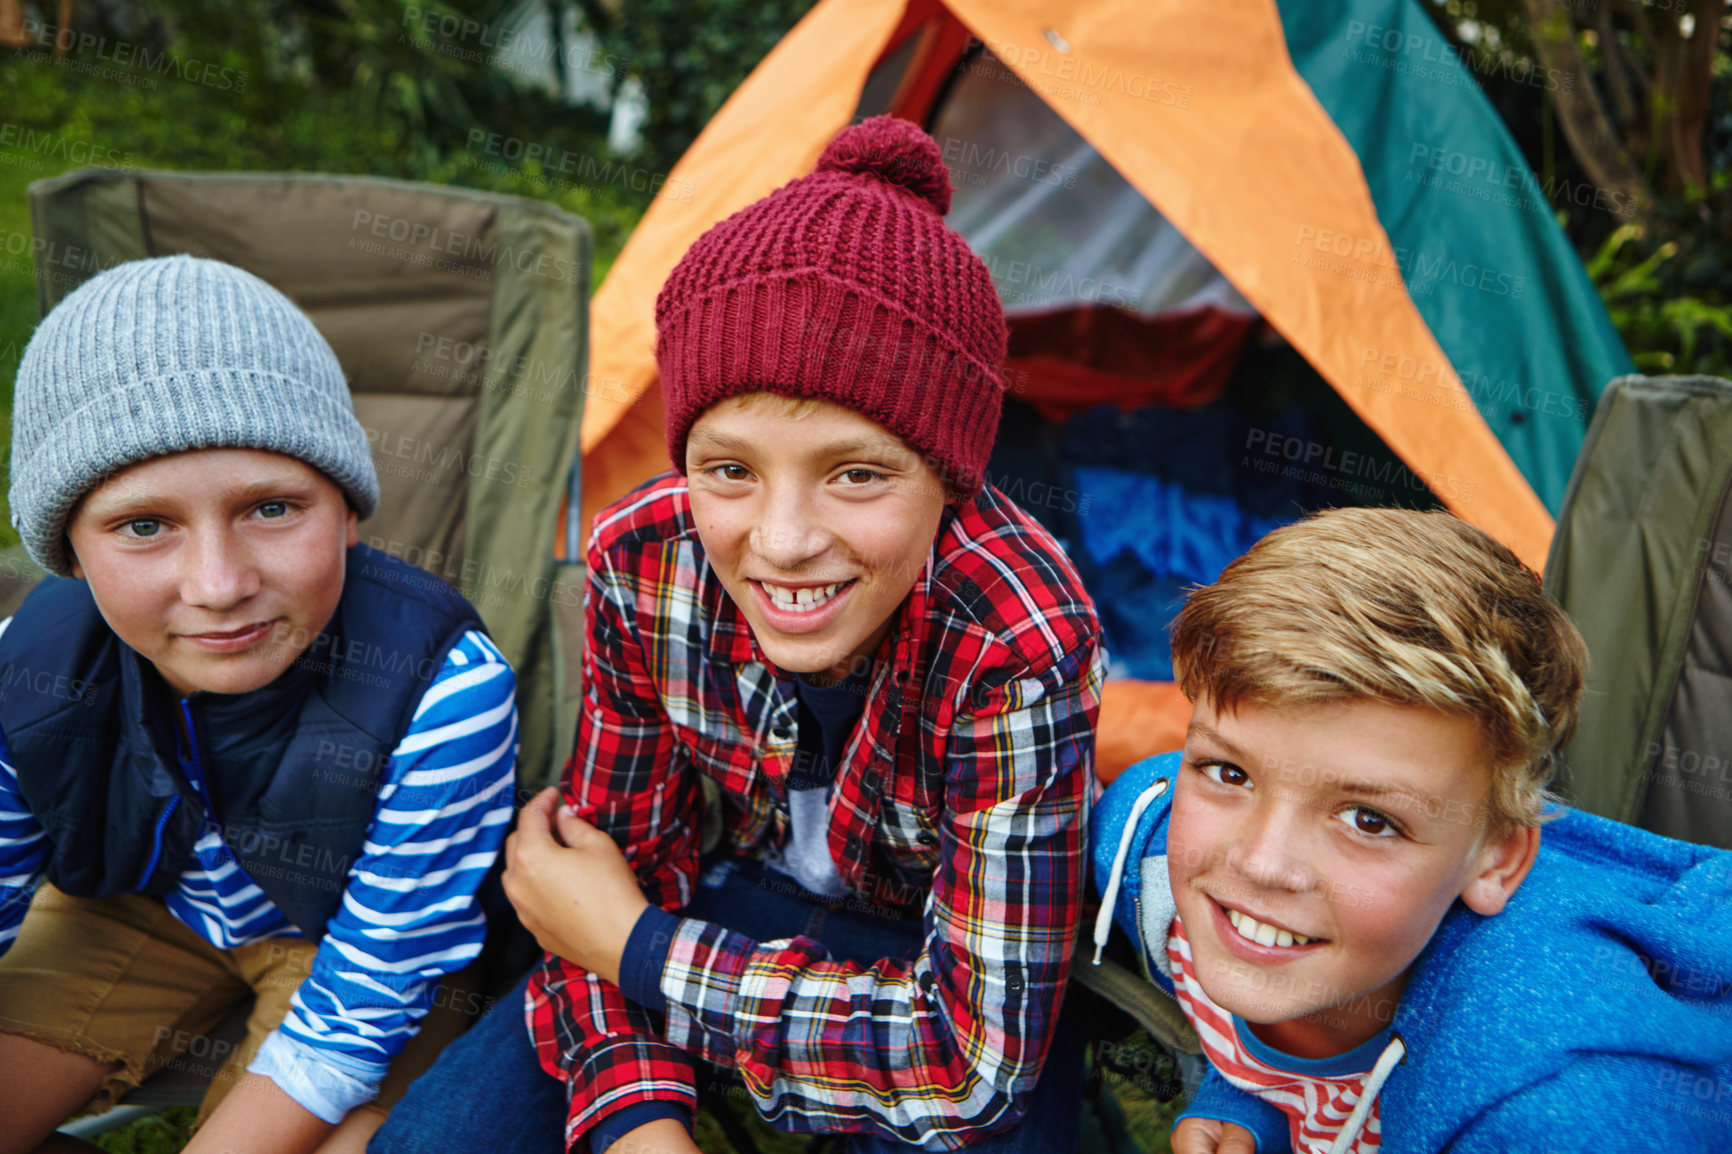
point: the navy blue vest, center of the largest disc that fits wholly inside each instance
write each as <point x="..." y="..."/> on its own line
<point x="292" y="770"/>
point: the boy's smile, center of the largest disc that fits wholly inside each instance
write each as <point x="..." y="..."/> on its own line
<point x="1314" y="850"/>
<point x="219" y="566"/>
<point x="817" y="524"/>
<point x="794" y="608"/>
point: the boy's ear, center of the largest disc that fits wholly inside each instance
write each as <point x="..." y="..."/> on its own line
<point x="1502" y="864"/>
<point x="353" y="537"/>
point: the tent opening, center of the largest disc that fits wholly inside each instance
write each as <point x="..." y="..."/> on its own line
<point x="1154" y="423"/>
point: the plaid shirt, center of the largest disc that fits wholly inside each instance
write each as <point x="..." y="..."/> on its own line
<point x="963" y="793"/>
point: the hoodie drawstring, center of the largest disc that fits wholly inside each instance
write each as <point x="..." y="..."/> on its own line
<point x="1386" y="1063"/>
<point x="1104" y="919"/>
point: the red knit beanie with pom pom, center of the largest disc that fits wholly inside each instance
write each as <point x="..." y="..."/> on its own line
<point x="846" y="286"/>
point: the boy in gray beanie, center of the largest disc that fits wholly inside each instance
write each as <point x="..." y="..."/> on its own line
<point x="245" y="753"/>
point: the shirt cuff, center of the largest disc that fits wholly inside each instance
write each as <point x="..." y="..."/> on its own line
<point x="309" y="1077"/>
<point x="622" y="1122"/>
<point x="1221" y="1101"/>
<point x="646" y="957"/>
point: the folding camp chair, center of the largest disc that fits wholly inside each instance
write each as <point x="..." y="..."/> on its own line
<point x="461" y="320"/>
<point x="1642" y="560"/>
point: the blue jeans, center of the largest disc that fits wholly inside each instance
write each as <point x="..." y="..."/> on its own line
<point x="488" y="1092"/>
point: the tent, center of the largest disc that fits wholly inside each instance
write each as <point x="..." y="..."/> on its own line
<point x="1325" y="177"/>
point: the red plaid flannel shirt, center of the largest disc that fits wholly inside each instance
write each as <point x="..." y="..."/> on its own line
<point x="964" y="793"/>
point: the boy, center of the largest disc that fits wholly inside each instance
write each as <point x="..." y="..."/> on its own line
<point x="886" y="676"/>
<point x="1342" y="880"/>
<point x="247" y="754"/>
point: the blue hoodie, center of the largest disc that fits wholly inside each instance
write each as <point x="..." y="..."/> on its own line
<point x="1594" y="1014"/>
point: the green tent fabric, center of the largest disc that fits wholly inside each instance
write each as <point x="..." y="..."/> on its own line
<point x="461" y="319"/>
<point x="1483" y="257"/>
<point x="1642" y="560"/>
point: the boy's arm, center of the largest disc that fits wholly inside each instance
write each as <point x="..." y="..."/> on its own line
<point x="409" y="914"/>
<point x="259" y="1116"/>
<point x="950" y="1044"/>
<point x="23" y="847"/>
<point x="624" y="778"/>
<point x="1611" y="1102"/>
<point x="23" y="852"/>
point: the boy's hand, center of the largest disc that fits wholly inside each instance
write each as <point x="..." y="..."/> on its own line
<point x="571" y="886"/>
<point x="1211" y="1136"/>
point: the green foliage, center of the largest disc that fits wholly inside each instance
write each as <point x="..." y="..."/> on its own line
<point x="341" y="86"/>
<point x="163" y="1133"/>
<point x="372" y="92"/>
<point x="1666" y="281"/>
<point x="689" y="55"/>
<point x="1666" y="329"/>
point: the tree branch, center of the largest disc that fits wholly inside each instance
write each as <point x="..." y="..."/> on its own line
<point x="1695" y="71"/>
<point x="1644" y="29"/>
<point x="1616" y="82"/>
<point x="1580" y="113"/>
<point x="1662" y="98"/>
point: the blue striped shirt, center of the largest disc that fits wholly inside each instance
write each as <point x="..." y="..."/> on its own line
<point x="409" y="914"/>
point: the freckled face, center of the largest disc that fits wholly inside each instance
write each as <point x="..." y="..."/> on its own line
<point x="1313" y="852"/>
<point x="817" y="526"/>
<point x="218" y="566"/>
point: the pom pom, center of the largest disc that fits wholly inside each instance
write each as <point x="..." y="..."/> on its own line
<point x="892" y="150"/>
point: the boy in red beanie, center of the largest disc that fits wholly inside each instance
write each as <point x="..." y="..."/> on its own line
<point x="881" y="675"/>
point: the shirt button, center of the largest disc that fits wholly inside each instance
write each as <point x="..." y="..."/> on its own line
<point x="927" y="838"/>
<point x="782" y="733"/>
<point x="927" y="981"/>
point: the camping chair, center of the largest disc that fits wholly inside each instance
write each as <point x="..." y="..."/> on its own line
<point x="1642" y="561"/>
<point x="461" y="319"/>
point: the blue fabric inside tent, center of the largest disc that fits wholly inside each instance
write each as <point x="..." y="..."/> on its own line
<point x="1144" y="541"/>
<point x="1166" y="499"/>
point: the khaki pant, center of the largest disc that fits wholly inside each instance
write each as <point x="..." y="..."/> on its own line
<point x="122" y="981"/>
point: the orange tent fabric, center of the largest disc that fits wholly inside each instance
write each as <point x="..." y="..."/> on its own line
<point x="1200" y="109"/>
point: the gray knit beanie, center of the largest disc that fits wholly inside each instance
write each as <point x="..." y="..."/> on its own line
<point x="160" y="356"/>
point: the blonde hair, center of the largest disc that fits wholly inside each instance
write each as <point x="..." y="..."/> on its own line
<point x="1397" y="606"/>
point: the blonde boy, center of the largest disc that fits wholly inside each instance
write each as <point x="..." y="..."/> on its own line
<point x="1342" y="880"/>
